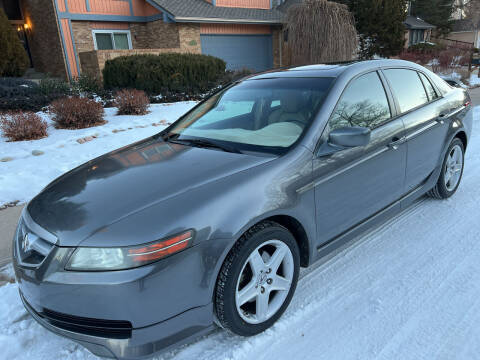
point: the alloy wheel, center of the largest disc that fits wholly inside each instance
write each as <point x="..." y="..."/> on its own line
<point x="453" y="168"/>
<point x="264" y="282"/>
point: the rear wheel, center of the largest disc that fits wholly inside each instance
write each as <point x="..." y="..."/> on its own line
<point x="452" y="171"/>
<point x="257" y="280"/>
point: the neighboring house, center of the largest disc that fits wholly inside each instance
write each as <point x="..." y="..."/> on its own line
<point x="70" y="36"/>
<point x="465" y="31"/>
<point x="417" y="31"/>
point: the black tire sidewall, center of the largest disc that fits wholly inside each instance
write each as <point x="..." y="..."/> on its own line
<point x="236" y="323"/>
<point x="442" y="188"/>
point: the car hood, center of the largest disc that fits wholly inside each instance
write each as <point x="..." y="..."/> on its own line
<point x="121" y="183"/>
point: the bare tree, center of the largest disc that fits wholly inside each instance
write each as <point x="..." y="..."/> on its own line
<point x="320" y="31"/>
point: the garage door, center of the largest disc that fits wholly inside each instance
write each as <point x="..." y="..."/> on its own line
<point x="240" y="51"/>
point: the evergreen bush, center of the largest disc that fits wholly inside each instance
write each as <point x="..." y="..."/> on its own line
<point x="13" y="57"/>
<point x="156" y="74"/>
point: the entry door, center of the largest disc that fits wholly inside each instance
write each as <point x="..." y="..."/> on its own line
<point x="253" y="52"/>
<point x="355" y="183"/>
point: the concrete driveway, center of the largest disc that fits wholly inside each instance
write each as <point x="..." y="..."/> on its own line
<point x="8" y="223"/>
<point x="9" y="216"/>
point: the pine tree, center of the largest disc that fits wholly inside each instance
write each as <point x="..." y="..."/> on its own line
<point x="13" y="57"/>
<point x="435" y="12"/>
<point x="380" y="25"/>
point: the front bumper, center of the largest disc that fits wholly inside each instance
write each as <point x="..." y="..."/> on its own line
<point x="126" y="314"/>
<point x="142" y="342"/>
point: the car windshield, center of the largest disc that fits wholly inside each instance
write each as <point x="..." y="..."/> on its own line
<point x="267" y="115"/>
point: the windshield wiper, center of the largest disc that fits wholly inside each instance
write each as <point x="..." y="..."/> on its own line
<point x="206" y="143"/>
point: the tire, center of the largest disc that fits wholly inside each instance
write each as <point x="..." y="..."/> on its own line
<point x="443" y="189"/>
<point x="244" y="275"/>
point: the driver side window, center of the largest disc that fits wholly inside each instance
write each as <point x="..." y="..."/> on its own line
<point x="364" y="103"/>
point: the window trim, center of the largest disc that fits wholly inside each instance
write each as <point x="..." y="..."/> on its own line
<point x="425" y="87"/>
<point x="112" y="32"/>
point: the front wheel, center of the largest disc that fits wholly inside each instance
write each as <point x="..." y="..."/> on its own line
<point x="452" y="171"/>
<point x="257" y="279"/>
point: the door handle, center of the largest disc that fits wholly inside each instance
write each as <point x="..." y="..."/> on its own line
<point x="396" y="142"/>
<point x="441" y="118"/>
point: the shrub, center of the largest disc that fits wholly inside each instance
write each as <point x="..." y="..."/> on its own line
<point x="13" y="57"/>
<point x="54" y="87"/>
<point x="86" y="84"/>
<point x="132" y="102"/>
<point x="76" y="113"/>
<point x="235" y="75"/>
<point x="426" y="48"/>
<point x="20" y="94"/>
<point x="17" y="126"/>
<point x="416" y="57"/>
<point x="445" y="59"/>
<point x="156" y="74"/>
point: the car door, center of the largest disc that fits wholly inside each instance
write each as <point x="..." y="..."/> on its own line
<point x="353" y="184"/>
<point x="421" y="106"/>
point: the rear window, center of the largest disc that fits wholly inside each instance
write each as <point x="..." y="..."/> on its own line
<point x="407" y="87"/>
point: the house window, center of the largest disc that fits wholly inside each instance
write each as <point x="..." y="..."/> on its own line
<point x="112" y="39"/>
<point x="416" y="36"/>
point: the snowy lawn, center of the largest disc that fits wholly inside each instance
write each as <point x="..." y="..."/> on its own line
<point x="23" y="175"/>
<point x="407" y="290"/>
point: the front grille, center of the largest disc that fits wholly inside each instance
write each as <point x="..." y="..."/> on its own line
<point x="31" y="249"/>
<point x="113" y="329"/>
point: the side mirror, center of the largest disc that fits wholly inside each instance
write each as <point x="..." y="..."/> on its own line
<point x="349" y="137"/>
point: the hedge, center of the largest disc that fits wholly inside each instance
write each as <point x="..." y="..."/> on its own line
<point x="157" y="74"/>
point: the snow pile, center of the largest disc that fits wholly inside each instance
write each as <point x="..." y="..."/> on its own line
<point x="23" y="175"/>
<point x="407" y="290"/>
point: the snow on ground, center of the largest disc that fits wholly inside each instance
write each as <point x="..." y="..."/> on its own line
<point x="25" y="175"/>
<point x="407" y="290"/>
<point x="474" y="80"/>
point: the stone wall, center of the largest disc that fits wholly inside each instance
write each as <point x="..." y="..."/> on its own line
<point x="189" y="35"/>
<point x="154" y="35"/>
<point x="82" y="35"/>
<point x="44" y="37"/>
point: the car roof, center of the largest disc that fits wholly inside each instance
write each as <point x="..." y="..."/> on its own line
<point x="332" y="69"/>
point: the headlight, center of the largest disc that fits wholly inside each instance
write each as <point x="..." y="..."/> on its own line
<point x="105" y="259"/>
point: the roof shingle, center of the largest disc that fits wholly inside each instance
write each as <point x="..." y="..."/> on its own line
<point x="202" y="11"/>
<point x="413" y="22"/>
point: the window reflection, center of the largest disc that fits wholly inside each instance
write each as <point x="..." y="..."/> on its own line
<point x="364" y="103"/>
<point x="407" y="88"/>
<point x="432" y="94"/>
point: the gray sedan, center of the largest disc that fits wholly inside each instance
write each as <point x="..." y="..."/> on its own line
<point x="209" y="221"/>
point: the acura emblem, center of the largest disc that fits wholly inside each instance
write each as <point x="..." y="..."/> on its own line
<point x="26" y="243"/>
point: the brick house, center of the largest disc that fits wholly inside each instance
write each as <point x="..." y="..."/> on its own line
<point x="67" y="37"/>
